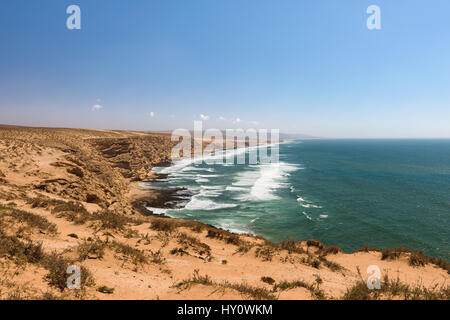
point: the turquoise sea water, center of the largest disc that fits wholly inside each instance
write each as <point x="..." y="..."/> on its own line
<point x="342" y="192"/>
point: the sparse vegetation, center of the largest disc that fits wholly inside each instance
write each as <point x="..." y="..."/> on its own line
<point x="105" y="290"/>
<point x="333" y="266"/>
<point x="191" y="242"/>
<point x="23" y="251"/>
<point x="157" y="257"/>
<point x="32" y="220"/>
<point x="57" y="267"/>
<point x="179" y="251"/>
<point x="292" y="246"/>
<point x="326" y="250"/>
<point x="265" y="253"/>
<point x="314" y="243"/>
<point x="244" y="247"/>
<point x="163" y="225"/>
<point x="366" y="248"/>
<point x="91" y="250"/>
<point x="72" y="211"/>
<point x="111" y="220"/>
<point x="137" y="256"/>
<point x="228" y="237"/>
<point x="268" y="280"/>
<point x="244" y="289"/>
<point x="395" y="289"/>
<point x="314" y="288"/>
<point x="44" y="202"/>
<point x="415" y="259"/>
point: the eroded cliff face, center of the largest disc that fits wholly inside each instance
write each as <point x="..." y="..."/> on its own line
<point x="91" y="166"/>
<point x="134" y="156"/>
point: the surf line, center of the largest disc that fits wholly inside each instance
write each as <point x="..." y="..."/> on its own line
<point x="213" y="156"/>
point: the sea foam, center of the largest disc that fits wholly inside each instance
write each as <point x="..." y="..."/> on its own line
<point x="265" y="181"/>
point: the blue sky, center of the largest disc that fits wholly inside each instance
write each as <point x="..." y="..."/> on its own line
<point x="301" y="66"/>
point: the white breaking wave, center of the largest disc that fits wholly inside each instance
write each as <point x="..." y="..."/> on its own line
<point x="246" y="178"/>
<point x="323" y="216"/>
<point x="206" y="204"/>
<point x="265" y="181"/>
<point x="307" y="216"/>
<point x="232" y="226"/>
<point x="209" y="175"/>
<point x="157" y="210"/>
<point x="197" y="169"/>
<point x="224" y="154"/>
<point x="231" y="188"/>
<point x="307" y="204"/>
<point x="211" y="191"/>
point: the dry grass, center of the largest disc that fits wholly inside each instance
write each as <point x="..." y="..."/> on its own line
<point x="34" y="221"/>
<point x="314" y="288"/>
<point x="395" y="289"/>
<point x="266" y="253"/>
<point x="291" y="246"/>
<point x="73" y="212"/>
<point x="366" y="248"/>
<point x="27" y="251"/>
<point x="163" y="225"/>
<point x="246" y="290"/>
<point x="199" y="247"/>
<point x="415" y="259"/>
<point x="326" y="250"/>
<point x="314" y="243"/>
<point x="333" y="266"/>
<point x="91" y="250"/>
<point x="228" y="237"/>
<point x="22" y="251"/>
<point x="44" y="202"/>
<point x="57" y="271"/>
<point x="110" y="220"/>
<point x="244" y="247"/>
<point x="129" y="253"/>
<point x="268" y="280"/>
<point x="157" y="257"/>
<point x="105" y="290"/>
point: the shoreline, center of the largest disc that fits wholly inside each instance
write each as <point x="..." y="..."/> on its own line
<point x="74" y="196"/>
<point x="147" y="197"/>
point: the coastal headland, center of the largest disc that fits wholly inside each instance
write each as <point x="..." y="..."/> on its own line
<point x="72" y="197"/>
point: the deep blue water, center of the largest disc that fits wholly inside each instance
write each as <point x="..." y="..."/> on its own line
<point x="342" y="192"/>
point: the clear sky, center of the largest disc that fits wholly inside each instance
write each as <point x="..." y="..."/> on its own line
<point x="302" y="66"/>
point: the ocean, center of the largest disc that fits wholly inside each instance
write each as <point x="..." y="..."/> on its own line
<point x="348" y="193"/>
